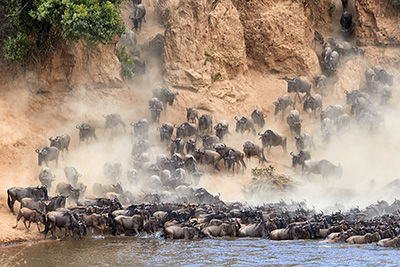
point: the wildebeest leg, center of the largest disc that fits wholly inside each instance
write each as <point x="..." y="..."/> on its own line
<point x="18" y="218"/>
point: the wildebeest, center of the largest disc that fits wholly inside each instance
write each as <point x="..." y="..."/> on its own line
<point x="312" y="104"/>
<point x="101" y="190"/>
<point x="332" y="112"/>
<point x="385" y="95"/>
<point x="177" y="145"/>
<point x="141" y="147"/>
<point x="61" y="142"/>
<point x="244" y="125"/>
<point x="298" y="85"/>
<point x="186" y="130"/>
<point x="67" y="189"/>
<point x="250" y="150"/>
<point x="46" y="177"/>
<point x="270" y="138"/>
<point x="320" y="84"/>
<point x="30" y="216"/>
<point x="33" y="204"/>
<point x="342" y="122"/>
<point x="18" y="193"/>
<point x="304" y="141"/>
<point x="47" y="154"/>
<point x="141" y="128"/>
<point x="70" y="221"/>
<point x="281" y="104"/>
<point x="165" y="96"/>
<point x="345" y="3"/>
<point x="205" y="123"/>
<point x="327" y="129"/>
<point x="353" y="95"/>
<point x="221" y="129"/>
<point x="72" y="175"/>
<point x="112" y="122"/>
<point x="294" y="122"/>
<point x="323" y="167"/>
<point x="190" y="146"/>
<point x="207" y="157"/>
<point x="383" y="76"/>
<point x="346" y="21"/>
<point x="209" y="140"/>
<point x="258" y="117"/>
<point x="155" y="107"/>
<point x="235" y="157"/>
<point x="191" y="115"/>
<point x="96" y="221"/>
<point x="140" y="13"/>
<point x="300" y="158"/>
<point x="359" y="106"/>
<point x="86" y="132"/>
<point x="166" y="131"/>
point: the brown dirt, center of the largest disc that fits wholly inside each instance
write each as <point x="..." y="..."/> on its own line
<point x="253" y="44"/>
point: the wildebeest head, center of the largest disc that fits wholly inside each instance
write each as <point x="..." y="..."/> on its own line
<point x="292" y="84"/>
<point x="240" y="123"/>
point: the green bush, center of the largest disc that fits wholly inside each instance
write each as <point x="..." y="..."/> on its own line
<point x="396" y="3"/>
<point x="217" y="76"/>
<point x="46" y="21"/>
<point x="16" y="49"/>
<point x="127" y="64"/>
<point x="332" y="8"/>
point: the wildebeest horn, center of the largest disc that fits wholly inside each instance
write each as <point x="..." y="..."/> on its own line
<point x="291" y="153"/>
<point x="51" y="138"/>
<point x="132" y="124"/>
<point x="78" y="126"/>
<point x="346" y="92"/>
<point x="105" y="116"/>
<point x="259" y="134"/>
<point x="236" y="118"/>
<point x="37" y="151"/>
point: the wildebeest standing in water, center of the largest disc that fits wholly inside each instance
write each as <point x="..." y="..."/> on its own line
<point x="61" y="142"/>
<point x="140" y="13"/>
<point x="48" y="154"/>
<point x="112" y="121"/>
<point x="86" y="132"/>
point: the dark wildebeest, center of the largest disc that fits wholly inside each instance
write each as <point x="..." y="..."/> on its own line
<point x="269" y="138"/>
<point x="166" y="131"/>
<point x="176" y="146"/>
<point x="46" y="177"/>
<point x="294" y="122"/>
<point x="165" y="96"/>
<point x="250" y="150"/>
<point x="323" y="167"/>
<point x="359" y="106"/>
<point x="67" y="189"/>
<point x="47" y="154"/>
<point x="186" y="130"/>
<point x="18" y="193"/>
<point x="258" y="117"/>
<point x="298" y="85"/>
<point x="221" y="129"/>
<point x="235" y="157"/>
<point x="30" y="216"/>
<point x="382" y="76"/>
<point x="191" y="115"/>
<point x="244" y="125"/>
<point x="86" y="132"/>
<point x="141" y="128"/>
<point x="300" y="158"/>
<point x="281" y="104"/>
<point x="112" y="121"/>
<point x="312" y="104"/>
<point x="190" y="146"/>
<point x="155" y="107"/>
<point x="209" y="140"/>
<point x="30" y="203"/>
<point x="70" y="221"/>
<point x="205" y="124"/>
<point x="140" y="13"/>
<point x="345" y="3"/>
<point x="346" y="21"/>
<point x="72" y="175"/>
<point x="56" y="202"/>
<point x="61" y="142"/>
<point x="304" y="141"/>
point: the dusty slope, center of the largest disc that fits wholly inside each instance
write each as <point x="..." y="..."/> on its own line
<point x="252" y="45"/>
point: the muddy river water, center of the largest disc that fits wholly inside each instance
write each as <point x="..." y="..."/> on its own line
<point x="155" y="251"/>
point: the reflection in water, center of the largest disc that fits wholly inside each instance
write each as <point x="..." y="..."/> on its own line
<point x="155" y="251"/>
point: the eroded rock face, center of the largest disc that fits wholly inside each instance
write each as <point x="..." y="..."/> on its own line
<point x="204" y="42"/>
<point x="378" y="23"/>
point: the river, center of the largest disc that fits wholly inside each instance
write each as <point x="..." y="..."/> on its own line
<point x="155" y="251"/>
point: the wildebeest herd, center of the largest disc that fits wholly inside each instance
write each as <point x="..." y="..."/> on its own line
<point x="175" y="178"/>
